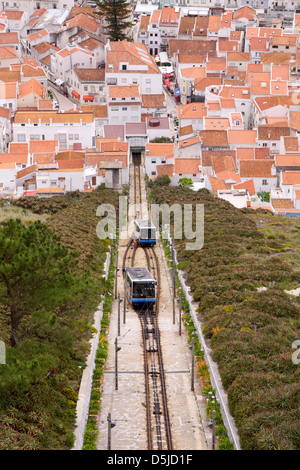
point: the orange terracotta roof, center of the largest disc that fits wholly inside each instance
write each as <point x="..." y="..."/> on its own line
<point x="188" y="142"/>
<point x="26" y="171"/>
<point x="169" y="16"/>
<point x="237" y="92"/>
<point x="186" y="130"/>
<point x="191" y="111"/>
<point x="214" y="138"/>
<point x="13" y="158"/>
<point x="290" y="177"/>
<point x="256" y="168"/>
<point x="241" y="137"/>
<point x="216" y="184"/>
<point x="228" y="175"/>
<point x="259" y="44"/>
<point x="291" y="144"/>
<point x="244" y="12"/>
<point x="8" y="90"/>
<point x="217" y="123"/>
<point x="8" y="52"/>
<point x="132" y="53"/>
<point x="82" y="20"/>
<point x="165" y="169"/>
<point x="18" y="147"/>
<point x="222" y="163"/>
<point x="193" y="72"/>
<point x="154" y="101"/>
<point x="214" y="23"/>
<point x="56" y="190"/>
<point x="123" y="91"/>
<point x="144" y="22"/>
<point x="288" y="160"/>
<point x="32" y="86"/>
<point x="202" y="83"/>
<point x="187" y="165"/>
<point x="238" y="56"/>
<point x="245" y="153"/>
<point x="38" y="35"/>
<point x="43" y="146"/>
<point x="162" y="150"/>
<point x="249" y="185"/>
<point x="46" y="116"/>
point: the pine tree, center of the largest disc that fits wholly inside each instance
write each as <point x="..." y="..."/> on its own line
<point x="117" y="14"/>
<point x="36" y="271"/>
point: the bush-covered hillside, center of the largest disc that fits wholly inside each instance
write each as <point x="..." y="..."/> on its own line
<point x="250" y="329"/>
<point x="55" y="273"/>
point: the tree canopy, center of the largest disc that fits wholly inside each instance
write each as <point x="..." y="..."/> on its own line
<point x="35" y="271"/>
<point x="116" y="14"/>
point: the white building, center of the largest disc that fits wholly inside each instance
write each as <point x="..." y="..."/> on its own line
<point x="124" y="104"/>
<point x="67" y="59"/>
<point x="72" y="130"/>
<point x="128" y="63"/>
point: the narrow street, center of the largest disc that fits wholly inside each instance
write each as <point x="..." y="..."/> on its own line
<point x="65" y="104"/>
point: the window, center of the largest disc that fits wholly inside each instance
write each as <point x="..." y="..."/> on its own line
<point x="153" y="160"/>
<point x="153" y="173"/>
<point x="70" y="136"/>
<point x="76" y="137"/>
<point x="264" y="182"/>
<point x="124" y="109"/>
<point x="21" y="138"/>
<point x="124" y="67"/>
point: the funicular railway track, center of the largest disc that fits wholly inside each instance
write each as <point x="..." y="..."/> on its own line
<point x="158" y="422"/>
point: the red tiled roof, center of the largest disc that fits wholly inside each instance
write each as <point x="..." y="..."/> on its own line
<point x="249" y="185"/>
<point x="256" y="168"/>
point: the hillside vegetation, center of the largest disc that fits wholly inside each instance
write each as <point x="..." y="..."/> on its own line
<point x="53" y="261"/>
<point x="250" y="329"/>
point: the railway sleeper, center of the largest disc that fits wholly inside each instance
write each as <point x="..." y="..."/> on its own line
<point x="157" y="410"/>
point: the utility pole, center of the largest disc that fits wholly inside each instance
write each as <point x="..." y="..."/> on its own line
<point x="116" y="275"/>
<point x="173" y="295"/>
<point x="179" y="300"/>
<point x="119" y="313"/>
<point x="124" y="311"/>
<point x="117" y="349"/>
<point x="192" y="348"/>
<point x="111" y="425"/>
<point x="214" y="431"/>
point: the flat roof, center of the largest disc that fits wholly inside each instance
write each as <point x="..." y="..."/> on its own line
<point x="139" y="274"/>
<point x="144" y="223"/>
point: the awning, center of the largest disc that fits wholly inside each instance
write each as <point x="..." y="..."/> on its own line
<point x="167" y="82"/>
<point x="88" y="98"/>
<point x="58" y="81"/>
<point x="177" y="92"/>
<point x="76" y="94"/>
